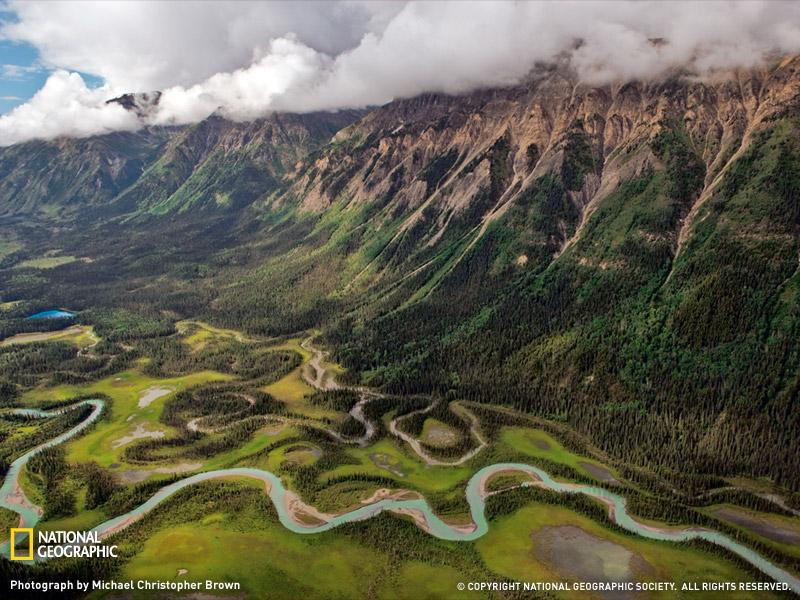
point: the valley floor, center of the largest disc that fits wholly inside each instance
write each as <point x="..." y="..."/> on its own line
<point x="337" y="449"/>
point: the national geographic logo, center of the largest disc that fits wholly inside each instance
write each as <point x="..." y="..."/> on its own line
<point x="57" y="544"/>
<point x="16" y="535"/>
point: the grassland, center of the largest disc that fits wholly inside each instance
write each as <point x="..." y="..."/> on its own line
<point x="243" y="455"/>
<point x="124" y="413"/>
<point x="293" y="391"/>
<point x="778" y="531"/>
<point x="416" y="579"/>
<point x="290" y="565"/>
<point x="47" y="262"/>
<point x="79" y="335"/>
<point x="4" y="306"/>
<point x="8" y="247"/>
<point x="197" y="333"/>
<point x="521" y="546"/>
<point x="398" y="464"/>
<point x="539" y="444"/>
<point x="81" y="521"/>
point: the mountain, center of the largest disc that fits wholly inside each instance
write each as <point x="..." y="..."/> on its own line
<point x="142" y="103"/>
<point x="222" y="164"/>
<point x="160" y="169"/>
<point x="64" y="177"/>
<point x="623" y="258"/>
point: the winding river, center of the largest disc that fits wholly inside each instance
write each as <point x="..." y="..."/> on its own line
<point x="322" y="380"/>
<point x="13" y="498"/>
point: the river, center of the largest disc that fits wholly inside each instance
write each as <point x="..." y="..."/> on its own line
<point x="12" y="498"/>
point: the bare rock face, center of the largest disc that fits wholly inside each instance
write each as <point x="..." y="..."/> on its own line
<point x="433" y="158"/>
<point x="433" y="155"/>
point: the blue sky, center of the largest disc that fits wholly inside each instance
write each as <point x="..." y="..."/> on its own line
<point x="20" y="76"/>
<point x="21" y="72"/>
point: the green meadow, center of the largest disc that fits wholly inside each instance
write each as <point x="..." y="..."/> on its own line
<point x="292" y="389"/>
<point x="270" y="559"/>
<point x="79" y="335"/>
<point x="250" y="454"/>
<point x="125" y="389"/>
<point x="47" y="262"/>
<point x="8" y="247"/>
<point x="197" y="333"/>
<point x="401" y="466"/>
<point x="539" y="444"/>
<point x="544" y="542"/>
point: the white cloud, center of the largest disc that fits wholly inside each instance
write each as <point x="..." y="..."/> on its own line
<point x="65" y="107"/>
<point x="245" y="59"/>
<point x="18" y="72"/>
<point x="146" y="45"/>
<point x="245" y="93"/>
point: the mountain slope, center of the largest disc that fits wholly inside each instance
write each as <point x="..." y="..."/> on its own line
<point x="64" y="177"/>
<point x="221" y="164"/>
<point x="416" y="186"/>
<point x="214" y="164"/>
<point x="623" y="258"/>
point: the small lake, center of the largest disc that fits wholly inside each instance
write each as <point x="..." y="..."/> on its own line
<point x="52" y="314"/>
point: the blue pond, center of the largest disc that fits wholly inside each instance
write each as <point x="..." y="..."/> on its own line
<point x="52" y="314"/>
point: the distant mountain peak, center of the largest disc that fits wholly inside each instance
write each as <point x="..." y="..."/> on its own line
<point x="141" y="103"/>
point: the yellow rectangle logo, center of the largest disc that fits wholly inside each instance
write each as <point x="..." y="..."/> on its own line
<point x="13" y="542"/>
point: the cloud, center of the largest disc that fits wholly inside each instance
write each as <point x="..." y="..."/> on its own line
<point x="246" y="59"/>
<point x="148" y="45"/>
<point x="18" y="72"/>
<point x="246" y="93"/>
<point x="65" y="107"/>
